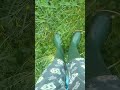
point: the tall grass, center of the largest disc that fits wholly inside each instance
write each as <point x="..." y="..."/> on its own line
<point x="16" y="44"/>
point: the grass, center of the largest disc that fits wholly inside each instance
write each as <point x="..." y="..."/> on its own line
<point x="62" y="16"/>
<point x="16" y="44"/>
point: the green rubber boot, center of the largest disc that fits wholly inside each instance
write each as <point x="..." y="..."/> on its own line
<point x="58" y="45"/>
<point x="73" y="51"/>
<point x="98" y="32"/>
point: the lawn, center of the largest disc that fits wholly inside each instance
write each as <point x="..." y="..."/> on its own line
<point x="62" y="16"/>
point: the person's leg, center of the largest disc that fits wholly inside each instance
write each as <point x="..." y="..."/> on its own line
<point x="95" y="39"/>
<point x="53" y="78"/>
<point x="59" y="49"/>
<point x="76" y="66"/>
<point x="76" y="74"/>
<point x="73" y="51"/>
